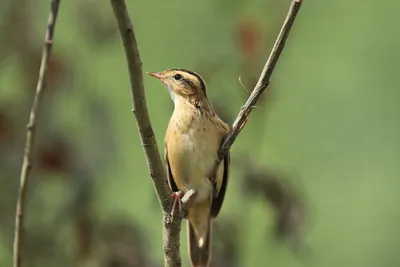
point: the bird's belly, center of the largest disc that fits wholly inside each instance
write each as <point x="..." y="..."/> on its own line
<point x="197" y="159"/>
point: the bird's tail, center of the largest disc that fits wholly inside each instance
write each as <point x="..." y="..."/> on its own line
<point x="199" y="244"/>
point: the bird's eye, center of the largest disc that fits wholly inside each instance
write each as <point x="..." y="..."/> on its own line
<point x="177" y="77"/>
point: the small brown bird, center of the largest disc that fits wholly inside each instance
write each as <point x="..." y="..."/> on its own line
<point x="192" y="141"/>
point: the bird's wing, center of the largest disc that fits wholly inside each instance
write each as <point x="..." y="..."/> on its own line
<point x="170" y="178"/>
<point x="219" y="199"/>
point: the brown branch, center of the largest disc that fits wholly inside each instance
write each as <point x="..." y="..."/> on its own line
<point x="157" y="170"/>
<point x="171" y="229"/>
<point x="30" y="134"/>
<point x="171" y="233"/>
<point x="262" y="83"/>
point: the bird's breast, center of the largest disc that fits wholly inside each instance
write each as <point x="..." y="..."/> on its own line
<point x="192" y="150"/>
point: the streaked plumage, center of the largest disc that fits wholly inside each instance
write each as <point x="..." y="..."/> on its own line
<point x="192" y="141"/>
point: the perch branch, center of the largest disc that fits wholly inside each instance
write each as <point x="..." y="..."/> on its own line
<point x="171" y="229"/>
<point x="156" y="168"/>
<point x="30" y="134"/>
<point x="262" y="83"/>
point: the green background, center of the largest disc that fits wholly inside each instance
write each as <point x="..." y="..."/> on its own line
<point x="330" y="122"/>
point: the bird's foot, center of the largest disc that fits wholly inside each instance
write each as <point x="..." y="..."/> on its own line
<point x="177" y="199"/>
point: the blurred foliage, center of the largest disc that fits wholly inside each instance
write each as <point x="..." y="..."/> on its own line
<point x="327" y="126"/>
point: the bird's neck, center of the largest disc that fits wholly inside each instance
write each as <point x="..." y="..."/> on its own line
<point x="187" y="105"/>
<point x="188" y="111"/>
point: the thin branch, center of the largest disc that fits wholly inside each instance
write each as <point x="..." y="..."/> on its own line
<point x="30" y="134"/>
<point x="156" y="168"/>
<point x="171" y="233"/>
<point x="171" y="229"/>
<point x="262" y="83"/>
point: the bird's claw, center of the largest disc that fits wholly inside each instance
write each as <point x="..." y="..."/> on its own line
<point x="177" y="199"/>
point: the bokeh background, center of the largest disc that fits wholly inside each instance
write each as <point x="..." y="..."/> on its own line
<point x="315" y="172"/>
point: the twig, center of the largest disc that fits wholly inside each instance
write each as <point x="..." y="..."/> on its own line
<point x="171" y="233"/>
<point x="262" y="83"/>
<point x="171" y="229"/>
<point x="30" y="133"/>
<point x="157" y="170"/>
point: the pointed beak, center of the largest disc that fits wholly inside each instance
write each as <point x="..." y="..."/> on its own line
<point x="157" y="75"/>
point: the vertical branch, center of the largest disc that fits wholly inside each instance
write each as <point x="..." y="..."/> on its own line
<point x="149" y="144"/>
<point x="171" y="229"/>
<point x="30" y="134"/>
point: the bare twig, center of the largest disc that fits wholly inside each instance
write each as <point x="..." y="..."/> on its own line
<point x="172" y="228"/>
<point x="262" y="83"/>
<point x="149" y="144"/>
<point x="30" y="134"/>
<point x="157" y="171"/>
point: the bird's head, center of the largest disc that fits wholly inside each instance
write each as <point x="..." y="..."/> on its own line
<point x="183" y="83"/>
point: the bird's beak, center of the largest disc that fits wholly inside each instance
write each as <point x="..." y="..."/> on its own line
<point x="157" y="75"/>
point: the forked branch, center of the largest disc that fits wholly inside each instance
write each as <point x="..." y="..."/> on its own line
<point x="171" y="229"/>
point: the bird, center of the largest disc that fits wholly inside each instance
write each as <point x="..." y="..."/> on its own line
<point x="192" y="141"/>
